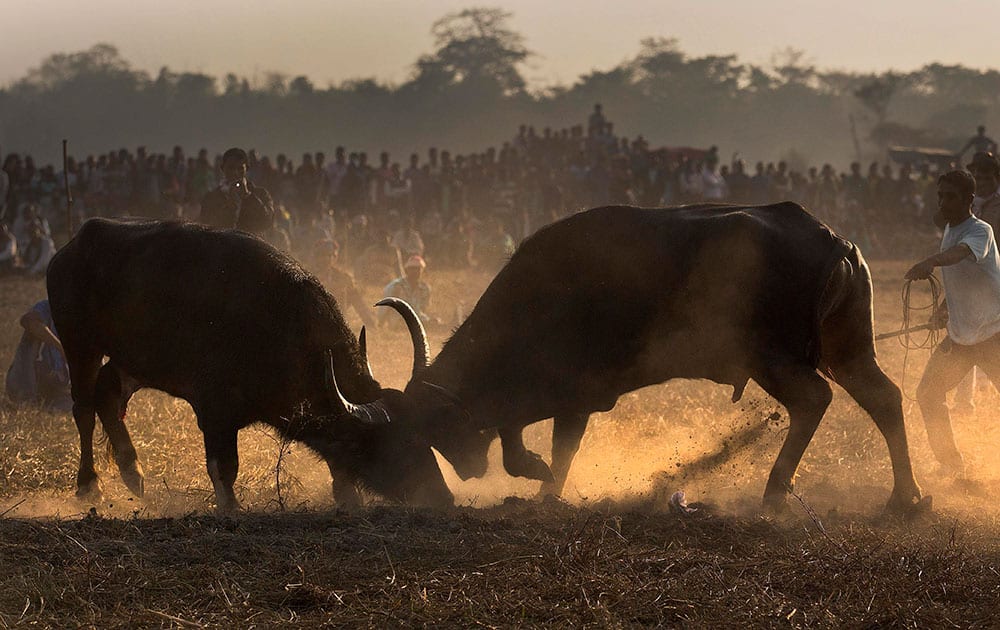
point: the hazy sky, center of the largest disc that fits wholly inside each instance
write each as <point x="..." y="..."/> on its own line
<point x="333" y="40"/>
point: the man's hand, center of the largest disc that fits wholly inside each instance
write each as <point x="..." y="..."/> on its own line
<point x="939" y="318"/>
<point x="920" y="271"/>
<point x="240" y="188"/>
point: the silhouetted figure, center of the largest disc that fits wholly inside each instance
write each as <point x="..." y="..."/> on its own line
<point x="237" y="203"/>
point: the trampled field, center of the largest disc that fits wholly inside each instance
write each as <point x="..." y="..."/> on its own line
<point x="612" y="554"/>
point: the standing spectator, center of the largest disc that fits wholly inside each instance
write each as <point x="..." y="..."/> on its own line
<point x="595" y="124"/>
<point x="307" y="184"/>
<point x="985" y="170"/>
<point x="854" y="188"/>
<point x="760" y="185"/>
<point x="739" y="183"/>
<point x="713" y="184"/>
<point x="395" y="190"/>
<point x="620" y="181"/>
<point x="417" y="184"/>
<point x="237" y="203"/>
<point x="980" y="143"/>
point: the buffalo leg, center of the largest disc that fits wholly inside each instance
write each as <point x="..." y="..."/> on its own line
<point x="865" y="381"/>
<point x="806" y="395"/>
<point x="223" y="462"/>
<point x="113" y="391"/>
<point x="83" y="369"/>
<point x="567" y="431"/>
<point x="519" y="461"/>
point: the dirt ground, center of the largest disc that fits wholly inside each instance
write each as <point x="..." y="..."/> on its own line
<point x="610" y="554"/>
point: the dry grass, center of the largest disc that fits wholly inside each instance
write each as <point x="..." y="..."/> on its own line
<point x="612" y="556"/>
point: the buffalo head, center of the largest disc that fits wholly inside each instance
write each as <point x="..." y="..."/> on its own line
<point x="437" y="414"/>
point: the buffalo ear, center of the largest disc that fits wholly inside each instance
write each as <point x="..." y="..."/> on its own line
<point x="445" y="396"/>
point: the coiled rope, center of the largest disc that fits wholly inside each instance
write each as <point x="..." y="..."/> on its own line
<point x="920" y="338"/>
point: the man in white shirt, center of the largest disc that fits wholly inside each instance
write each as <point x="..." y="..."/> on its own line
<point x="985" y="170"/>
<point x="970" y="268"/>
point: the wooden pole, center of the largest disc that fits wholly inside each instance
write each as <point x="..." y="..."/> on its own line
<point x="69" y="195"/>
<point x="902" y="332"/>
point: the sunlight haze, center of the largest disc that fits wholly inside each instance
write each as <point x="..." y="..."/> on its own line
<point x="335" y="41"/>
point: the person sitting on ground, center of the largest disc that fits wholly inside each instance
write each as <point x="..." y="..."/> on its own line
<point x="39" y="373"/>
<point x="8" y="250"/>
<point x="379" y="263"/>
<point x="237" y="203"/>
<point x="338" y="281"/>
<point x="407" y="239"/>
<point x="496" y="246"/>
<point x="38" y="253"/>
<point x="411" y="288"/>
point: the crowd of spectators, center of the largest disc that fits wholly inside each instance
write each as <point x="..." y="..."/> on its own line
<point x="452" y="210"/>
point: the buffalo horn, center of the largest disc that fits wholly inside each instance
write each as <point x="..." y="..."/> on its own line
<point x="421" y="352"/>
<point x="369" y="413"/>
<point x="363" y="343"/>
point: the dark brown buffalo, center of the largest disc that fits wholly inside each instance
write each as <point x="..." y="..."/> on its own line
<point x="618" y="298"/>
<point x="241" y="332"/>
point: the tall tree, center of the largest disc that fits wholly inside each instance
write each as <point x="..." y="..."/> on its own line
<point x="475" y="46"/>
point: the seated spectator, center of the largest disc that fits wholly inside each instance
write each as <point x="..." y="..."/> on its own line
<point x="40" y="250"/>
<point x="8" y="250"/>
<point x="39" y="373"/>
<point x="379" y="263"/>
<point x="411" y="288"/>
<point x="338" y="281"/>
<point x="407" y="239"/>
<point x="495" y="247"/>
<point x="459" y="241"/>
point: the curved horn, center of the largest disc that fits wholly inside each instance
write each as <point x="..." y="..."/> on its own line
<point x="369" y="413"/>
<point x="421" y="352"/>
<point x="363" y="343"/>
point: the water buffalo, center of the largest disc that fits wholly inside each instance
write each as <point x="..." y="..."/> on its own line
<point x="618" y="298"/>
<point x="242" y="333"/>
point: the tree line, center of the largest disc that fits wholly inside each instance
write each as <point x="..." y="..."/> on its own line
<point x="470" y="92"/>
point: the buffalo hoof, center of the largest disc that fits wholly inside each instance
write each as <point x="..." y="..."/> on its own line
<point x="90" y="491"/>
<point x="529" y="465"/>
<point x="777" y="506"/>
<point x="548" y="489"/>
<point x="134" y="480"/>
<point x="227" y="508"/>
<point x="911" y="507"/>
